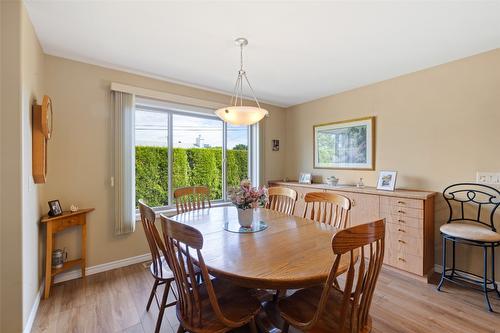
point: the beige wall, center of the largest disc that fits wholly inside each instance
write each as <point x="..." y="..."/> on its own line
<point x="11" y="169"/>
<point x="80" y="151"/>
<point x="435" y="127"/>
<point x="32" y="66"/>
<point x="22" y="82"/>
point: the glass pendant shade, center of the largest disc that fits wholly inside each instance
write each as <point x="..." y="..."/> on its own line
<point x="241" y="115"/>
<point x="237" y="113"/>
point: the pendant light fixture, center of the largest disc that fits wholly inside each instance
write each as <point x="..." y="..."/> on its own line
<point x="237" y="113"/>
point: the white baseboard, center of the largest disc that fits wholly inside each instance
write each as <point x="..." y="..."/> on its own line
<point x="75" y="274"/>
<point x="439" y="269"/>
<point x="34" y="309"/>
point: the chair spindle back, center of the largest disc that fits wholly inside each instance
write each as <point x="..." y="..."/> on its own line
<point x="183" y="247"/>
<point x="155" y="242"/>
<point x="329" y="208"/>
<point x="361" y="278"/>
<point x="191" y="198"/>
<point x="282" y="199"/>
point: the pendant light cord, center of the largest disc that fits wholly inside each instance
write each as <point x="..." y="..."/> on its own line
<point x="238" y="86"/>
<point x="241" y="57"/>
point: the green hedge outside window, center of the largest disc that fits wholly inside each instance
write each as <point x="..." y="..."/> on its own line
<point x="191" y="166"/>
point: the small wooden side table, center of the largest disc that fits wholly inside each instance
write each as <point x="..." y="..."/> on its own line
<point x="54" y="225"/>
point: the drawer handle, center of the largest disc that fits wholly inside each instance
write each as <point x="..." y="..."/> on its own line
<point x="401" y="241"/>
<point x="401" y="202"/>
<point x="401" y="259"/>
<point x="399" y="229"/>
<point x="401" y="221"/>
<point x="401" y="211"/>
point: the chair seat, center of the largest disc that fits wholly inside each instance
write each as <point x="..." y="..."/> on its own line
<point x="235" y="302"/>
<point x="470" y="231"/>
<point x="302" y="305"/>
<point x="166" y="273"/>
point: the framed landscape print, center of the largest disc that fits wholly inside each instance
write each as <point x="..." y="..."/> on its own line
<point x="345" y="144"/>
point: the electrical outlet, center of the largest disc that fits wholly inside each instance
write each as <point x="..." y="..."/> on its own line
<point x="488" y="178"/>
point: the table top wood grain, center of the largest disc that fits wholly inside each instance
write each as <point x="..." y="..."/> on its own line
<point x="292" y="252"/>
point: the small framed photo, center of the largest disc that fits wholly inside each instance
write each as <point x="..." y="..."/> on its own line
<point x="276" y="145"/>
<point x="387" y="180"/>
<point x="305" y="178"/>
<point x="55" y="208"/>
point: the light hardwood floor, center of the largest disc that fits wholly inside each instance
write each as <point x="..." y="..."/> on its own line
<point x="115" y="301"/>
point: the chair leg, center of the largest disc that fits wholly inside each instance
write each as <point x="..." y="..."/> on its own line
<point x="286" y="326"/>
<point x="493" y="270"/>
<point x="253" y="326"/>
<point x="276" y="296"/>
<point x="163" y="305"/>
<point x="153" y="291"/>
<point x="485" y="278"/>
<point x="453" y="260"/>
<point x="443" y="273"/>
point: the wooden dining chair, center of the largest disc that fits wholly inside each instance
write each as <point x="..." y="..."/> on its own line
<point x="214" y="305"/>
<point x="282" y="199"/>
<point x="191" y="198"/>
<point x="328" y="308"/>
<point x="327" y="207"/>
<point x="159" y="268"/>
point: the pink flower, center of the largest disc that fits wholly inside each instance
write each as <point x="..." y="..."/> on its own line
<point x="249" y="197"/>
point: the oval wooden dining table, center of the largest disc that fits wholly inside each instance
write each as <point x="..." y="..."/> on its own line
<point x="292" y="253"/>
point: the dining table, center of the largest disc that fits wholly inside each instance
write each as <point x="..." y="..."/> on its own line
<point x="290" y="252"/>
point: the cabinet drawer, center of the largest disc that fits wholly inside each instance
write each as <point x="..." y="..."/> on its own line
<point x="401" y="212"/>
<point x="402" y="243"/>
<point x="402" y="229"/>
<point x="62" y="224"/>
<point x="412" y="222"/>
<point x="406" y="262"/>
<point x="402" y="202"/>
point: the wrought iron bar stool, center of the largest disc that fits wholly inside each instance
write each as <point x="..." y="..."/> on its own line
<point x="470" y="206"/>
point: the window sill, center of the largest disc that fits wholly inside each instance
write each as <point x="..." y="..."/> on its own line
<point x="173" y="211"/>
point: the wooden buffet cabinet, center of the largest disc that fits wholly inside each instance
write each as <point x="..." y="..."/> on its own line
<point x="409" y="219"/>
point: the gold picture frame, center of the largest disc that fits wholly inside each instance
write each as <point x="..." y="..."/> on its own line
<point x="345" y="145"/>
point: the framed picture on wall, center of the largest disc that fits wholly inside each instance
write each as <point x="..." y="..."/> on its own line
<point x="346" y="144"/>
<point x="387" y="180"/>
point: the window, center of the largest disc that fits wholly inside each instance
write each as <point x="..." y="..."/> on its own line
<point x="237" y="154"/>
<point x="151" y="157"/>
<point x="198" y="153"/>
<point x="176" y="147"/>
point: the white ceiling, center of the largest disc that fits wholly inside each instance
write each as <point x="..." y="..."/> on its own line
<point x="298" y="51"/>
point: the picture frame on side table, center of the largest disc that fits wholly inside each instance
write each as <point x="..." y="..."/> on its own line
<point x="387" y="180"/>
<point x="55" y="208"/>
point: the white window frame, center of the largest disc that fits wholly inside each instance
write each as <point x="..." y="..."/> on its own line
<point x="171" y="109"/>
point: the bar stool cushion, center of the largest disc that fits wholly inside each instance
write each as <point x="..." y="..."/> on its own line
<point x="470" y="231"/>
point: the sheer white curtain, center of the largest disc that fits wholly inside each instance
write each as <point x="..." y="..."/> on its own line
<point x="124" y="162"/>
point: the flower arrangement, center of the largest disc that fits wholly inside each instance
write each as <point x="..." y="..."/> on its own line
<point x="247" y="196"/>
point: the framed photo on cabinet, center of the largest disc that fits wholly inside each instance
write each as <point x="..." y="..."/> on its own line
<point x="346" y="144"/>
<point x="387" y="180"/>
